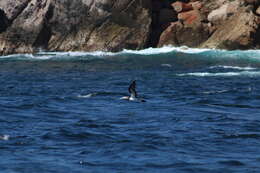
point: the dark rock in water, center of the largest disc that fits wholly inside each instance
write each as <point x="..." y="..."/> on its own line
<point x="77" y="25"/>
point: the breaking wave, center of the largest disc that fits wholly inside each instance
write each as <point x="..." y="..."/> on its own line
<point x="231" y="62"/>
<point x="224" y="74"/>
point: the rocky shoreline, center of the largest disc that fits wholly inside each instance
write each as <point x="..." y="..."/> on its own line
<point x="27" y="26"/>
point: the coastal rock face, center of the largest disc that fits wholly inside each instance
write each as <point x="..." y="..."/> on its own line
<point x="99" y="25"/>
<point x="27" y="26"/>
<point x="189" y="30"/>
<point x="220" y="24"/>
<point x="78" y="25"/>
<point x="239" y="32"/>
<point x="25" y="29"/>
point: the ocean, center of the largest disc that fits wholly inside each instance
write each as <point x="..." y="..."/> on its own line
<point x="61" y="111"/>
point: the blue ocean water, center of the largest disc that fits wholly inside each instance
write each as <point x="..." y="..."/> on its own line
<point x="61" y="112"/>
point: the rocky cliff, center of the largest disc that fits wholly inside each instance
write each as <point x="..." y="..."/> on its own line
<point x="223" y="24"/>
<point x="112" y="25"/>
<point x="78" y="25"/>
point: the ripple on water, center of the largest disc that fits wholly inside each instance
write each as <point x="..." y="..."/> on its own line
<point x="243" y="136"/>
<point x="232" y="163"/>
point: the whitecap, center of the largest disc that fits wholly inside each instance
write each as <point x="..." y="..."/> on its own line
<point x="87" y="96"/>
<point x="204" y="52"/>
<point x="224" y="74"/>
<point x="166" y="65"/>
<point x="165" y="49"/>
<point x="5" y="137"/>
<point x="215" y="92"/>
<point x="232" y="67"/>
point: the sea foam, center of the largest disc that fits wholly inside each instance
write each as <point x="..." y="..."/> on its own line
<point x="222" y="74"/>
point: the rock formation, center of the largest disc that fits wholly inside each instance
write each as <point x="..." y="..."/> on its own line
<point x="78" y="25"/>
<point x="189" y="30"/>
<point x="239" y="31"/>
<point x="112" y="25"/>
<point x="220" y="24"/>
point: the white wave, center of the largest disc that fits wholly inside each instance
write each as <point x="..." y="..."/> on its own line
<point x="5" y="137"/>
<point x="215" y="92"/>
<point x="166" y="65"/>
<point x="27" y="56"/>
<point x="147" y="51"/>
<point x="255" y="54"/>
<point x="87" y="96"/>
<point x="232" y="67"/>
<point x="224" y="74"/>
<point x="165" y="49"/>
<point x="74" y="54"/>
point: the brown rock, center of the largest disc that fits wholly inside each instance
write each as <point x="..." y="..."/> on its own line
<point x="222" y="13"/>
<point x="233" y="7"/>
<point x="178" y="34"/>
<point x="196" y="5"/>
<point x="190" y="18"/>
<point x="181" y="6"/>
<point x="218" y="15"/>
<point x="238" y="32"/>
<point x="169" y="36"/>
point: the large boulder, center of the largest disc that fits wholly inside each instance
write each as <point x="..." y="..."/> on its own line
<point x="238" y="32"/>
<point x="222" y="13"/>
<point x="178" y="34"/>
<point x="78" y="25"/>
<point x="188" y="31"/>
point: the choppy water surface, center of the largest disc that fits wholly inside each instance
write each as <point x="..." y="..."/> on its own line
<point x="61" y="112"/>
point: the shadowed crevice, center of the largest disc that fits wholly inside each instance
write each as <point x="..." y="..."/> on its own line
<point x="44" y="36"/>
<point x="4" y="22"/>
<point x="257" y="38"/>
<point x="162" y="15"/>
